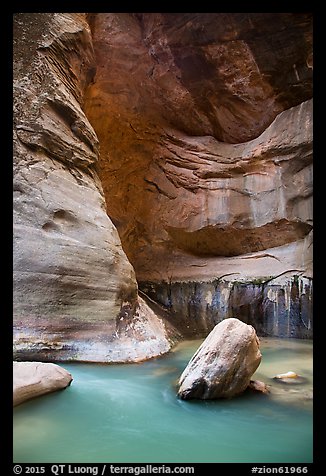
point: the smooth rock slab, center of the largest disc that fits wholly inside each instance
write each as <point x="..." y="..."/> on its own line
<point x="32" y="379"/>
<point x="224" y="363"/>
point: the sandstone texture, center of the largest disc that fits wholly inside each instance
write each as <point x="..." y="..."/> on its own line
<point x="223" y="365"/>
<point x="206" y="149"/>
<point x="32" y="379"/>
<point x="75" y="292"/>
<point x="206" y="143"/>
<point x="169" y="150"/>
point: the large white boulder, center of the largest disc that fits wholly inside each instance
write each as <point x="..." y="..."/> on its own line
<point x="224" y="363"/>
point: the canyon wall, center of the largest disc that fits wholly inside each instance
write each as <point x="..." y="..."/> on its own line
<point x="170" y="152"/>
<point x="75" y="292"/>
<point x="205" y="126"/>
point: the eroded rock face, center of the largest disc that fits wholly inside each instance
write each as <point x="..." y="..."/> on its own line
<point x="207" y="141"/>
<point x="224" y="363"/>
<point x="205" y="125"/>
<point x="72" y="279"/>
<point x="32" y="379"/>
<point x="275" y="307"/>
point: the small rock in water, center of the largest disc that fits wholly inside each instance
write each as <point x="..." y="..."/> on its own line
<point x="289" y="374"/>
<point x="290" y="377"/>
<point x="258" y="386"/>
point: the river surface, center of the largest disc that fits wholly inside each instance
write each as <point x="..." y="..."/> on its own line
<point x="130" y="413"/>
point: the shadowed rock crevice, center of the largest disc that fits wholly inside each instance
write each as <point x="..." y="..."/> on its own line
<point x="231" y="241"/>
<point x="228" y="63"/>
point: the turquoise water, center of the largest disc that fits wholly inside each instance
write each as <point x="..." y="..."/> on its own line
<point x="130" y="413"/>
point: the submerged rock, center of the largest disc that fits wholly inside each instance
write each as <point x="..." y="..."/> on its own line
<point x="31" y="379"/>
<point x="289" y="374"/>
<point x="224" y="363"/>
<point x="289" y="377"/>
<point x="258" y="386"/>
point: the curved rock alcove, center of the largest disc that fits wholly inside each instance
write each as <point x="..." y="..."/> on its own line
<point x="162" y="179"/>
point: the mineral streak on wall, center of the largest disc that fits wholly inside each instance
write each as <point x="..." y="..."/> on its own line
<point x="274" y="310"/>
